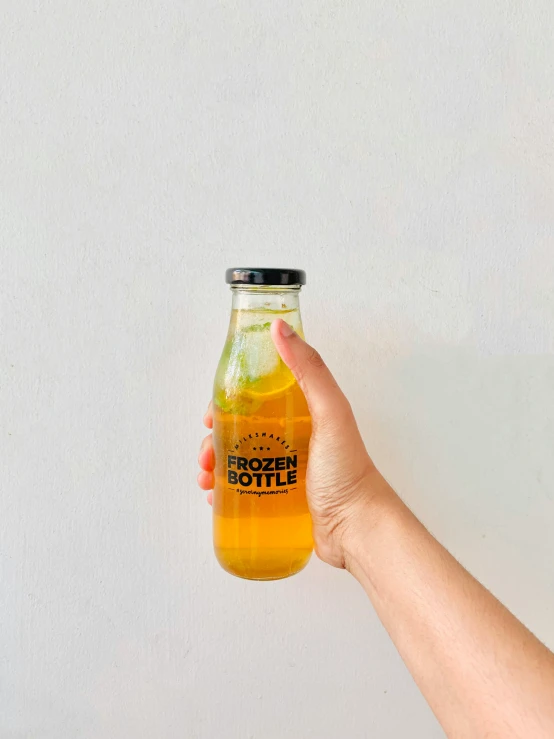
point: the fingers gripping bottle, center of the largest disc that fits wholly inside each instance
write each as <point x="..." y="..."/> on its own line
<point x="261" y="524"/>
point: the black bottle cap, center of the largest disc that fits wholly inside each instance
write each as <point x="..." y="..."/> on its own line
<point x="263" y="276"/>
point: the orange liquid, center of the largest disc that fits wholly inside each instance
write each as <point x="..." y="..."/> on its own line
<point x="261" y="525"/>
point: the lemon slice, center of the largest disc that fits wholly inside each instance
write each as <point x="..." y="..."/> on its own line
<point x="251" y="371"/>
<point x="247" y="397"/>
<point x="271" y="386"/>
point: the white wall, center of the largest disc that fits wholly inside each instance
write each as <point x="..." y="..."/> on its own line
<point x="402" y="153"/>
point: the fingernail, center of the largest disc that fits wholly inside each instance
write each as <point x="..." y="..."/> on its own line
<point x="285" y="330"/>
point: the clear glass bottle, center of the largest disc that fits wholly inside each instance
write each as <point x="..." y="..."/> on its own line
<point x="261" y="524"/>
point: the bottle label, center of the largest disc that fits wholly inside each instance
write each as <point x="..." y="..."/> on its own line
<point x="262" y="464"/>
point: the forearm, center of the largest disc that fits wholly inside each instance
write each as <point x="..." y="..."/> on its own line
<point x="482" y="672"/>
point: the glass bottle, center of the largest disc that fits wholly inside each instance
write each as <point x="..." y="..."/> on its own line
<point x="261" y="524"/>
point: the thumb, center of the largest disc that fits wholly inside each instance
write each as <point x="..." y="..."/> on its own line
<point x="324" y="397"/>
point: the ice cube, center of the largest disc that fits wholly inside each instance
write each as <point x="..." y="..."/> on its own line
<point x="259" y="356"/>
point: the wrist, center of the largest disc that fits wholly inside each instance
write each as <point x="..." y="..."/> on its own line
<point x="375" y="507"/>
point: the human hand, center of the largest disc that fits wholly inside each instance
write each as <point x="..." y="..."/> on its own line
<point x="339" y="468"/>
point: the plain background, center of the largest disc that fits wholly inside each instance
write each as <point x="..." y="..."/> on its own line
<point x="402" y="153"/>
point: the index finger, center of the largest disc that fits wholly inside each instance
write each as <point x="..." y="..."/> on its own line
<point x="209" y="416"/>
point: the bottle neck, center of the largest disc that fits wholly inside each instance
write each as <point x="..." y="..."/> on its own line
<point x="276" y="298"/>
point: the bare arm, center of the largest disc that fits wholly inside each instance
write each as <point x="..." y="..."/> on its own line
<point x="482" y="672"/>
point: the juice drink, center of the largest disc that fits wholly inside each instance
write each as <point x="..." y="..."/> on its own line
<point x="261" y="524"/>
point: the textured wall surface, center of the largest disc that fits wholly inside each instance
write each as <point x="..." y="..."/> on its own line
<point x="403" y="154"/>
